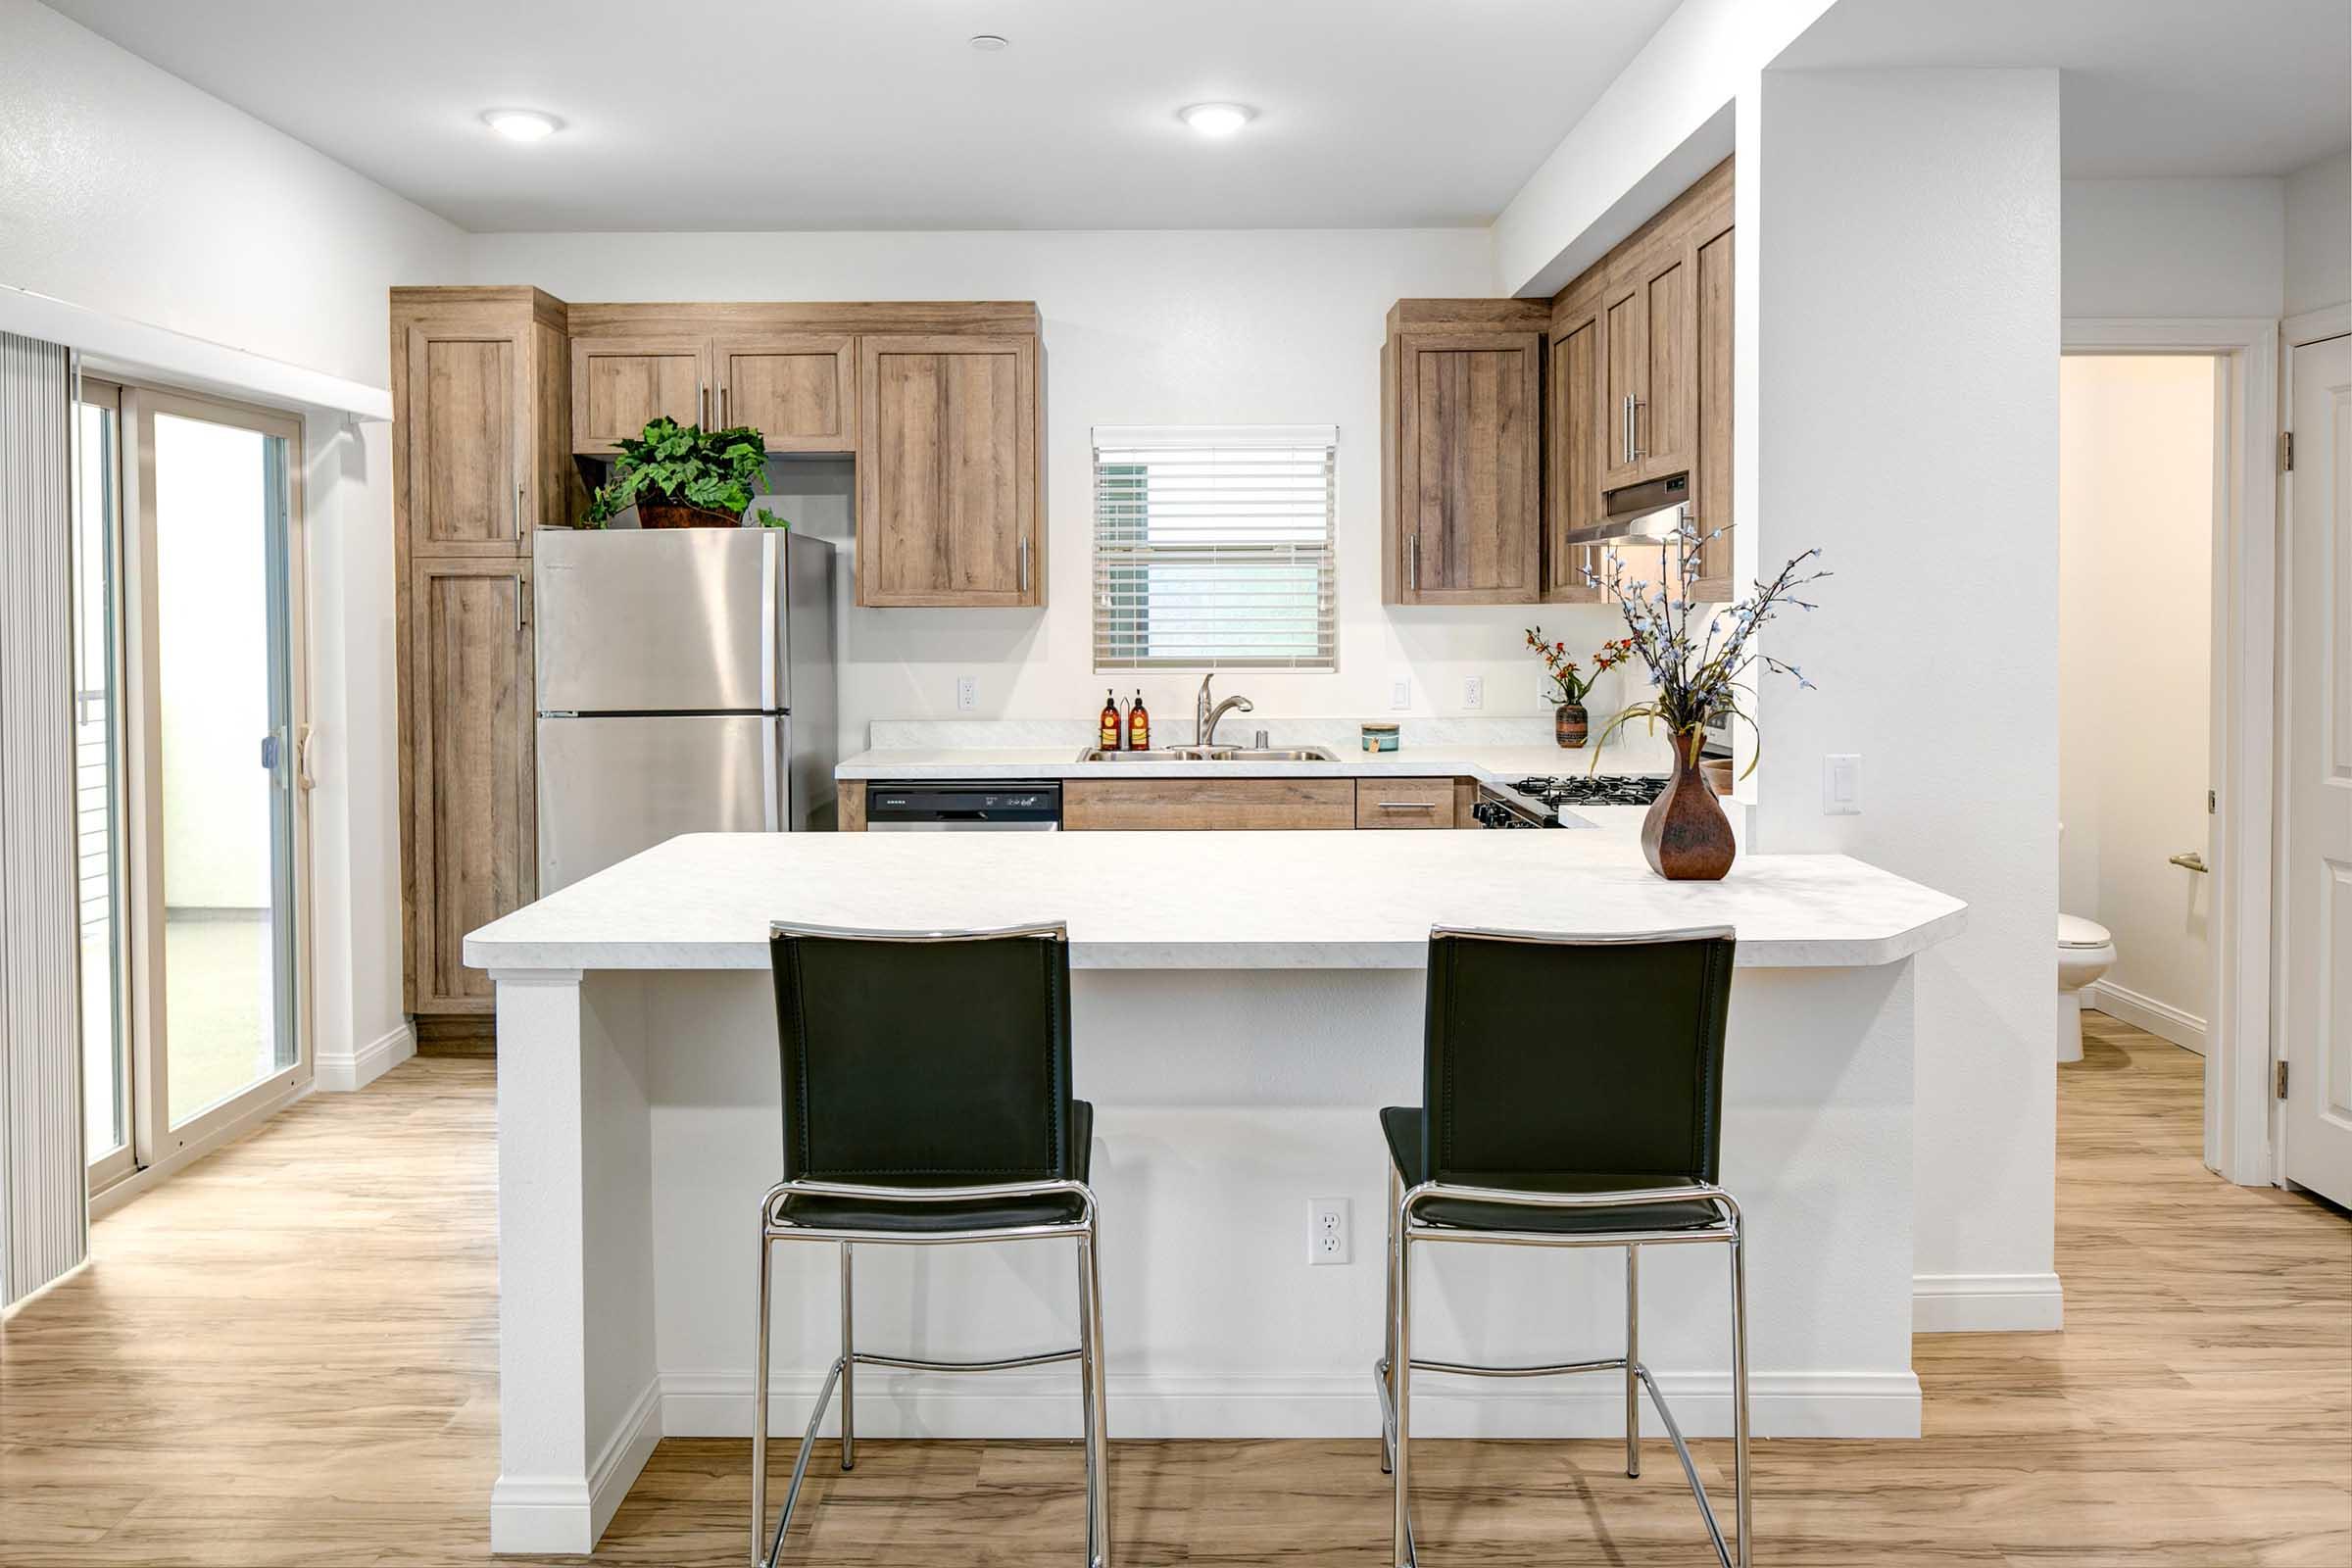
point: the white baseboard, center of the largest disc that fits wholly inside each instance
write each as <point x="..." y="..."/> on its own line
<point x="1831" y="1405"/>
<point x="564" y="1515"/>
<point x="2159" y="1018"/>
<point x="358" y="1068"/>
<point x="1985" y="1304"/>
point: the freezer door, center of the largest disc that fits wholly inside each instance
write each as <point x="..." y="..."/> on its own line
<point x="659" y="619"/>
<point x="610" y="787"/>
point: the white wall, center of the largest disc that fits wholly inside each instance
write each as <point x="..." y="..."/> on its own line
<point x="2173" y="246"/>
<point x="127" y="192"/>
<point x="2135" y="665"/>
<point x="1908" y="368"/>
<point x="2318" y="236"/>
<point x="1142" y="328"/>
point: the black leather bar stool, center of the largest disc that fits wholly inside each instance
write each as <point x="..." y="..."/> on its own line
<point x="927" y="1101"/>
<point x="1572" y="1096"/>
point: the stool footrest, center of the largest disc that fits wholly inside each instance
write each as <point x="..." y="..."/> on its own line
<point x="911" y="1363"/>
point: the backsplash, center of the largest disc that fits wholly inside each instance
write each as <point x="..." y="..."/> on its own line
<point x="1171" y="729"/>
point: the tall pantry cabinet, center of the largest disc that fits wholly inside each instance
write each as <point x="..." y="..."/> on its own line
<point x="480" y="457"/>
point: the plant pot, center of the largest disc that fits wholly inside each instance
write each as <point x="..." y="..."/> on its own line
<point x="1570" y="723"/>
<point x="678" y="514"/>
<point x="1686" y="837"/>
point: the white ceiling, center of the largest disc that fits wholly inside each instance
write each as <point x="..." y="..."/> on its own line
<point x="877" y="114"/>
<point x="2150" y="88"/>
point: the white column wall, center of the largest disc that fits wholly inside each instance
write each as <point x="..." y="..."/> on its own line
<point x="1908" y="413"/>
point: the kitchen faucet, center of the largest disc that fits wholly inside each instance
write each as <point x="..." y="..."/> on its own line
<point x="1205" y="717"/>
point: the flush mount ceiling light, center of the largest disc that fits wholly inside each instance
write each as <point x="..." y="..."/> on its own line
<point x="990" y="43"/>
<point x="521" y="124"/>
<point x="1217" y="120"/>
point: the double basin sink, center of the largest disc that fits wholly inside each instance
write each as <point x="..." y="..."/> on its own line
<point x="1212" y="754"/>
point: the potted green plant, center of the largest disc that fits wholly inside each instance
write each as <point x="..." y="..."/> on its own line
<point x="1570" y="721"/>
<point x="684" y="477"/>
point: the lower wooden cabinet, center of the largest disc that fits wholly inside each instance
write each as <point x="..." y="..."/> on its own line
<point x="1208" y="802"/>
<point x="1404" y="802"/>
<point x="468" y="783"/>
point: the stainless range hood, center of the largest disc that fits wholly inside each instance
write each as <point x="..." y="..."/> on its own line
<point x="1638" y="515"/>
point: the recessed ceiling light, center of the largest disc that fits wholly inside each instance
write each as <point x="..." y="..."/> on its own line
<point x="1217" y="120"/>
<point x="521" y="124"/>
<point x="988" y="42"/>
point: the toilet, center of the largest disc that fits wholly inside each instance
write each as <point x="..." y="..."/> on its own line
<point x="2085" y="952"/>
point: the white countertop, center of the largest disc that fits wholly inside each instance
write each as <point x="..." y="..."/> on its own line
<point x="1205" y="900"/>
<point x="1490" y="763"/>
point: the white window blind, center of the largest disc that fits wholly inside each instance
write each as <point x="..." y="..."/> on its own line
<point x="1214" y="546"/>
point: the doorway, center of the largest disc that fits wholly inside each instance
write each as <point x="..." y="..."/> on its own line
<point x="191" y="831"/>
<point x="2138" y="454"/>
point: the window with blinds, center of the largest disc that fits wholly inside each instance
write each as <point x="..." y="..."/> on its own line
<point x="1213" y="547"/>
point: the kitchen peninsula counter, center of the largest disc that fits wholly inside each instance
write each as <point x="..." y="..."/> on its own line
<point x="1243" y="1003"/>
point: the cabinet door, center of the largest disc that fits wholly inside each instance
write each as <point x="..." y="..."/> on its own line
<point x="799" y="393"/>
<point x="467" y="423"/>
<point x="947" y="471"/>
<point x="1575" y="425"/>
<point x="619" y="384"/>
<point x="1624" y="377"/>
<point x="1668" y="356"/>
<point x="471" y="845"/>
<point x="1711" y="459"/>
<point x="1469" y="487"/>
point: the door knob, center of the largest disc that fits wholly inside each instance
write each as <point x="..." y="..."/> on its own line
<point x="2191" y="860"/>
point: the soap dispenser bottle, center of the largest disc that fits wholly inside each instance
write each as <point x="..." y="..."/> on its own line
<point x="1139" y="724"/>
<point x="1109" y="740"/>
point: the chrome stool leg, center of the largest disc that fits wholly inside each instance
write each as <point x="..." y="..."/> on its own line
<point x="767" y="1258"/>
<point x="1383" y="1374"/>
<point x="1090" y="1388"/>
<point x="849" y="1370"/>
<point x="1740" y="1478"/>
<point x="1632" y="1362"/>
<point x="1400" y="1377"/>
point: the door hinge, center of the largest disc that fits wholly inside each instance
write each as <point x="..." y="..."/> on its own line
<point x="2287" y="451"/>
<point x="2282" y="1079"/>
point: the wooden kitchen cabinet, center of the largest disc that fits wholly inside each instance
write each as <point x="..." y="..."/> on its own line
<point x="1640" y="382"/>
<point x="1408" y="803"/>
<point x="469" y="852"/>
<point x="799" y="391"/>
<point x="620" y="384"/>
<point x="947" y="470"/>
<point x="481" y="387"/>
<point x="1223" y="802"/>
<point x="1462" y="451"/>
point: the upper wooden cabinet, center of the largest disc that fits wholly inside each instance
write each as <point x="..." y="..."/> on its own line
<point x="620" y="384"/>
<point x="947" y="471"/>
<point x="799" y="391"/>
<point x="1640" y="382"/>
<point x="1462" y="451"/>
<point x="479" y="388"/>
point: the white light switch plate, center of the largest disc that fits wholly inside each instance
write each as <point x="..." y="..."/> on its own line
<point x="1842" y="785"/>
<point x="968" y="691"/>
<point x="1400" y="693"/>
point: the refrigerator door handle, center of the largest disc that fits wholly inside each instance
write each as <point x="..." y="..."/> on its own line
<point x="771" y="600"/>
<point x="776" y="734"/>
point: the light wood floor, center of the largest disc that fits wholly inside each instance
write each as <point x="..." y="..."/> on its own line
<point x="287" y="1355"/>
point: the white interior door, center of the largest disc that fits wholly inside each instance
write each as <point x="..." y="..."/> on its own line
<point x="2317" y="682"/>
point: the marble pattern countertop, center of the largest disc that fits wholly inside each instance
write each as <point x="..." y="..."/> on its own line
<point x="1205" y="900"/>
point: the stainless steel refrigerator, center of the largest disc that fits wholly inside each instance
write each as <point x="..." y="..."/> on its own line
<point x="686" y="685"/>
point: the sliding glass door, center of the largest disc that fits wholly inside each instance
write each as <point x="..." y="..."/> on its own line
<point x="204" y="845"/>
<point x="98" y="780"/>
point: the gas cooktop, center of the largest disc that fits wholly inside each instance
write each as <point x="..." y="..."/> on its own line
<point x="1593" y="789"/>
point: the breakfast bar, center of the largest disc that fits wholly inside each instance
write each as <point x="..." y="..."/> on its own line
<point x="1242" y="1004"/>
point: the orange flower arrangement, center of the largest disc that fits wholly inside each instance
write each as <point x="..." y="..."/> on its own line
<point x="1573" y="680"/>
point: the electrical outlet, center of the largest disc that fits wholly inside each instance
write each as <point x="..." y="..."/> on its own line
<point x="1327" y="1230"/>
<point x="1400" y="694"/>
<point x="968" y="691"/>
<point x="1474" y="692"/>
<point x="1842" y="785"/>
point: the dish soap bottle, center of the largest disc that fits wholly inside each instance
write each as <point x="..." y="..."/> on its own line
<point x="1109" y="740"/>
<point x="1139" y="724"/>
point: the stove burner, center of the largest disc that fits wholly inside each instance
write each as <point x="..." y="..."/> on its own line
<point x="1593" y="789"/>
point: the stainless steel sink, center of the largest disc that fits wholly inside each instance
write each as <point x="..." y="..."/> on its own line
<point x="1255" y="753"/>
<point x="1212" y="754"/>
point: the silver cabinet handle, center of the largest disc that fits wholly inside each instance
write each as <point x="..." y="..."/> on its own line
<point x="1021" y="559"/>
<point x="1625" y="430"/>
<point x="2190" y="861"/>
<point x="722" y="405"/>
<point x="1414" y="545"/>
<point x="1408" y="806"/>
<point x="1633" y="429"/>
<point x="701" y="401"/>
<point x="518" y="512"/>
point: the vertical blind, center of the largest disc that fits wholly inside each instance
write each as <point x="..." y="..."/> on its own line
<point x="44" y="1198"/>
<point x="1214" y="546"/>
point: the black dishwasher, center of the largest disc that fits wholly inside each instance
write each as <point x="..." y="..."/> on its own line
<point x="988" y="806"/>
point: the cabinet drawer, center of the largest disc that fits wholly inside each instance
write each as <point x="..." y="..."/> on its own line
<point x="1404" y="802"/>
<point x="1208" y="802"/>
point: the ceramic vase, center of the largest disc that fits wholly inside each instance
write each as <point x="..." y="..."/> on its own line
<point x="1686" y="837"/>
<point x="1570" y="723"/>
